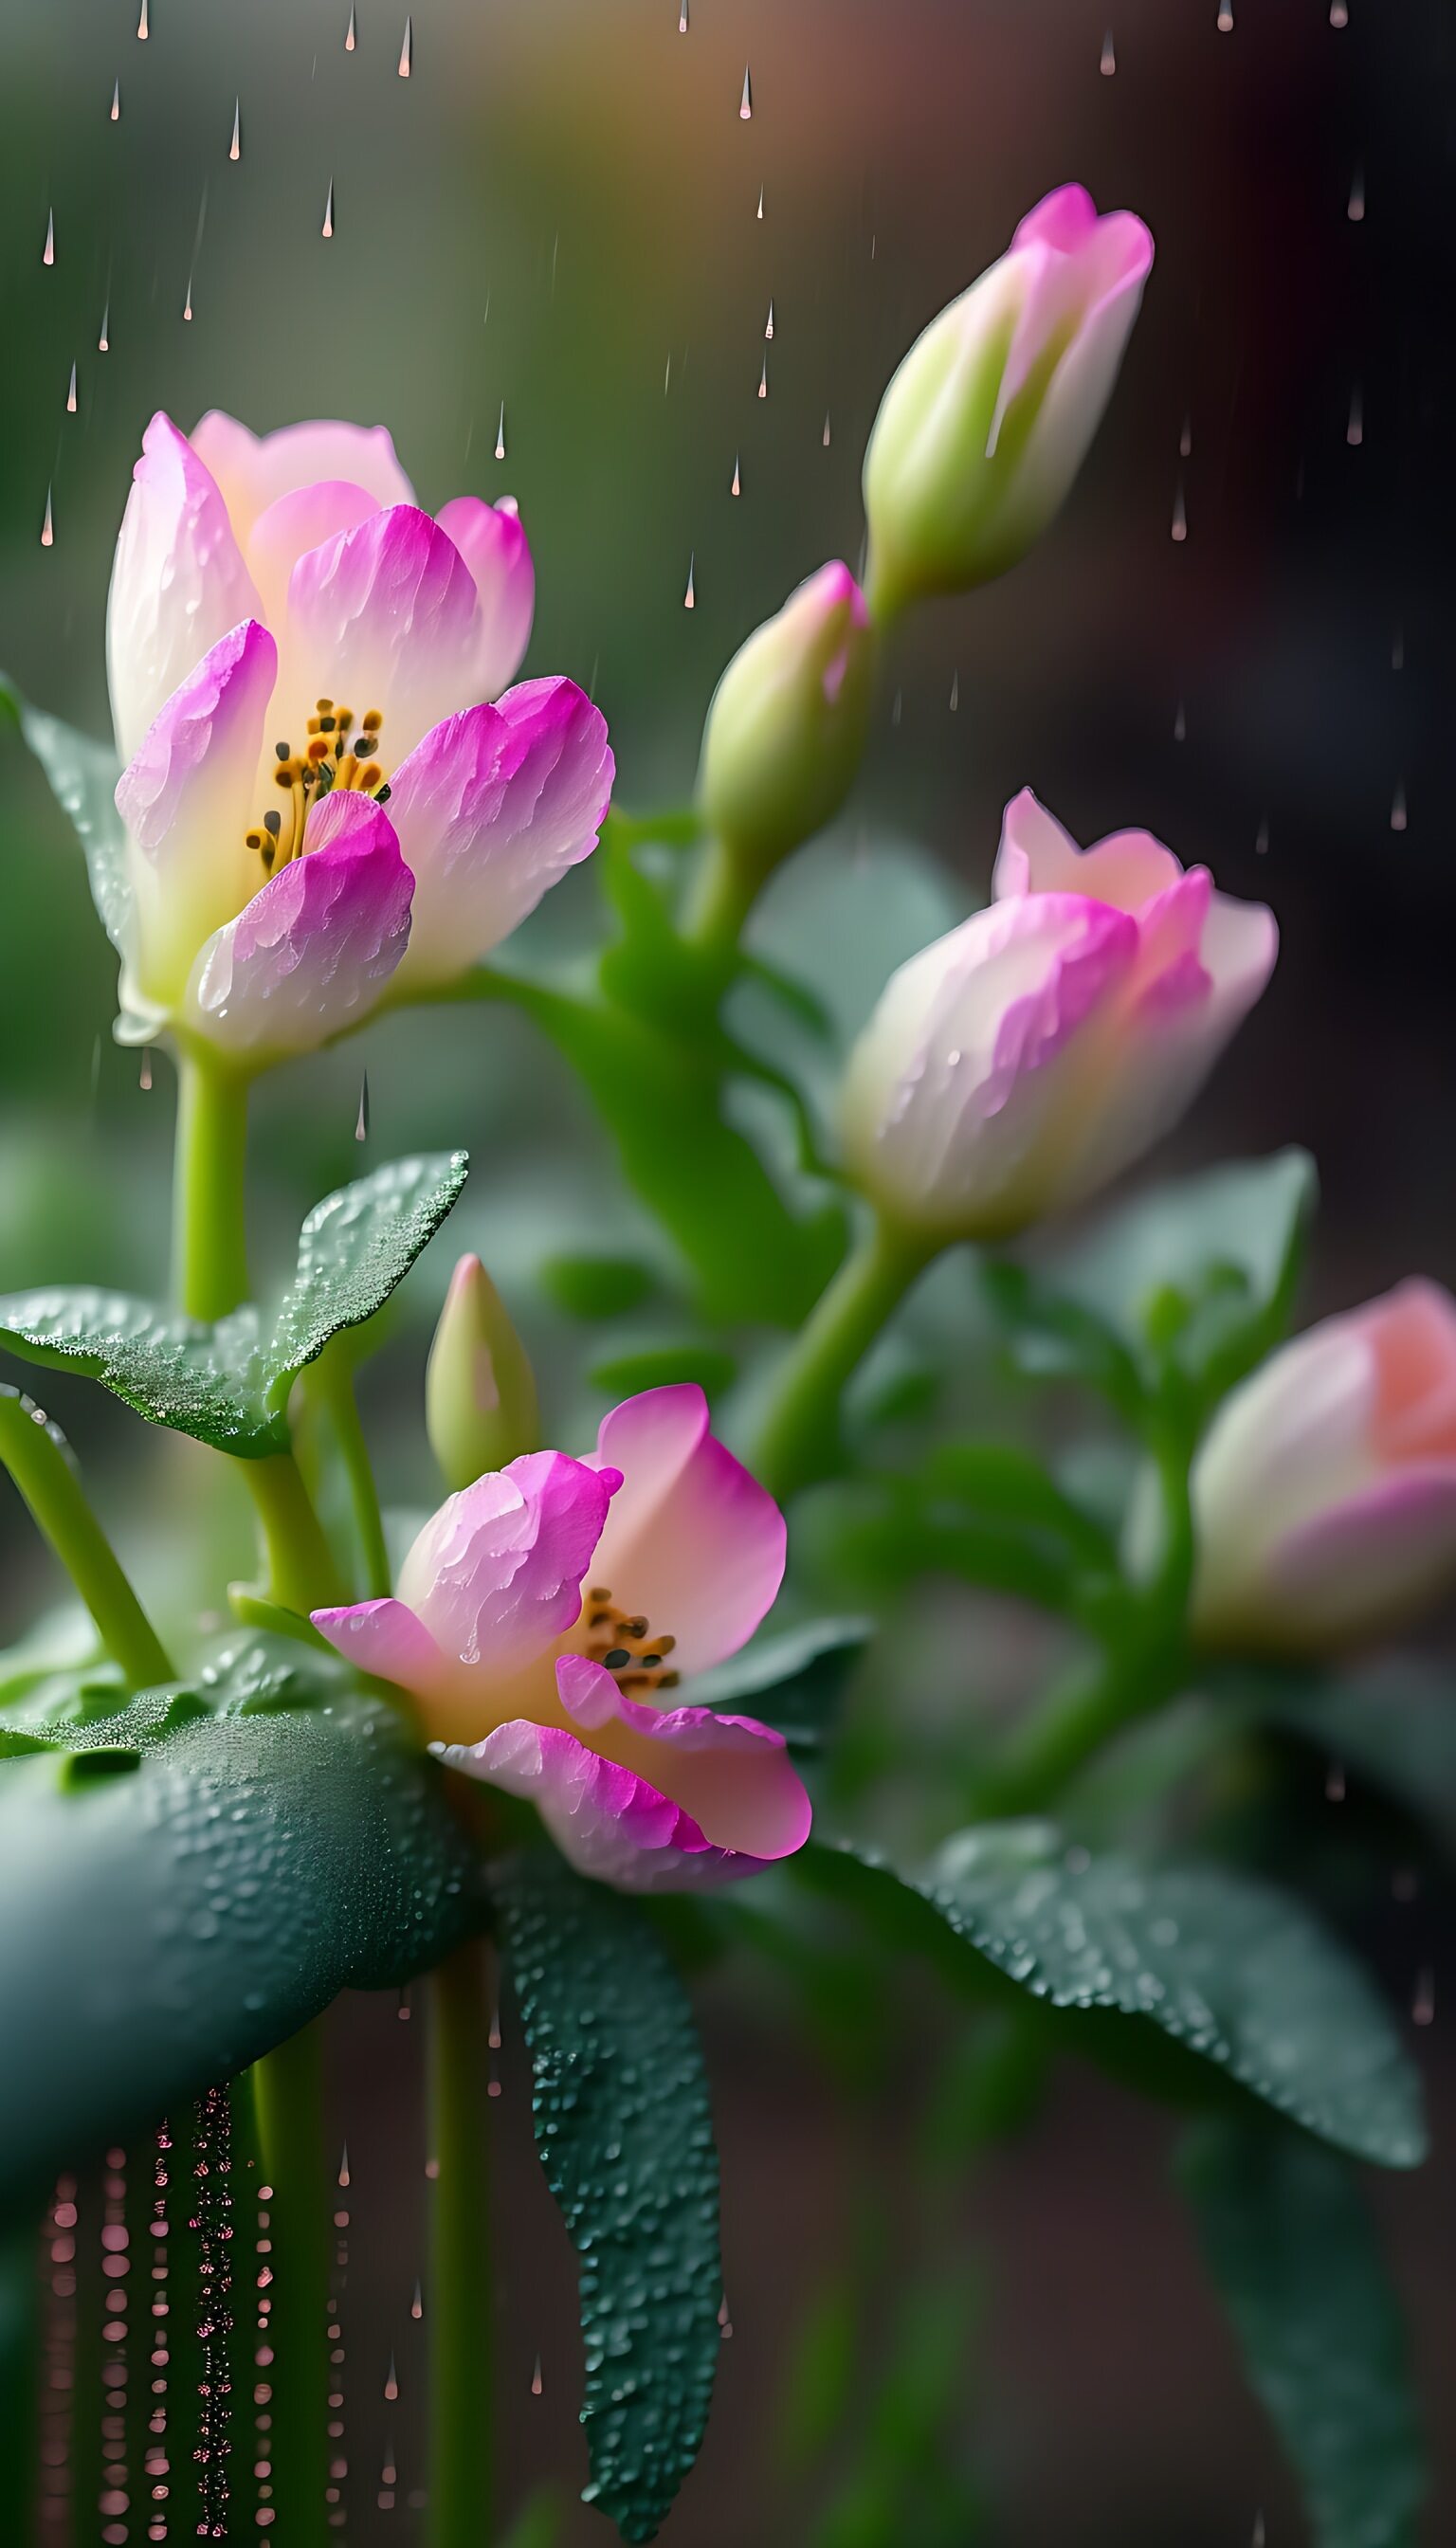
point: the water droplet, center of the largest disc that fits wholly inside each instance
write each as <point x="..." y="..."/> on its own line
<point x="688" y="597"/>
<point x="1179" y="526"/>
<point x="1226" y="17"/>
<point x="1257" y="2540"/>
<point x="1357" y="204"/>
<point x="1423" y="2005"/>
<point x="1185" y="439"/>
<point x="344" y="2166"/>
<point x="187" y="304"/>
<point x="143" y="28"/>
<point x="500" y="433"/>
<point x="103" y="341"/>
<point x="1398" y="807"/>
<point x="1180" y="724"/>
<point x="746" y="101"/>
<point x="143" y="1075"/>
<point x="1261" y="838"/>
<point x="47" y="253"/>
<point x="536" y="2379"/>
<point x="416" y="2306"/>
<point x="361" y="1123"/>
<point x="769" y="328"/>
<point x="327" y="231"/>
<point x="737" y="487"/>
<point x="954" y="691"/>
<point x="763" y="379"/>
<point x="683" y="19"/>
<point x="1340" y="15"/>
<point x="235" y="146"/>
<point x="1355" y="429"/>
<point x="392" y="2382"/>
<point x="758" y="214"/>
<point x="115" y="102"/>
<point x="407" y="50"/>
<point x="70" y="395"/>
<point x="48" y="527"/>
<point x="1108" y="61"/>
<point x="351" y="33"/>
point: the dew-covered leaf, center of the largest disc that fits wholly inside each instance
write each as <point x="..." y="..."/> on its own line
<point x="82" y="775"/>
<point x="354" y="1249"/>
<point x="187" y="1878"/>
<point x="1291" y="2247"/>
<point x="795" y="1678"/>
<point x="625" y="2137"/>
<point x="1227" y="1969"/>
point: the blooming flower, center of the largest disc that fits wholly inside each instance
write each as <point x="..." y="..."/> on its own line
<point x="1019" y="1062"/>
<point x="550" y="1693"/>
<point x="990" y="418"/>
<point x="787" y="725"/>
<point x="1324" y="1494"/>
<point x="294" y="648"/>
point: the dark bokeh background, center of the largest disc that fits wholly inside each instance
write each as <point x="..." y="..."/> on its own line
<point x="558" y="210"/>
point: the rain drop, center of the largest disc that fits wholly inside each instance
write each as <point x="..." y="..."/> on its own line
<point x="343" y="2167"/>
<point x="327" y="231"/>
<point x="1398" y="651"/>
<point x="683" y="19"/>
<point x="1259" y="2538"/>
<point x="48" y="527"/>
<point x="536" y="2379"/>
<point x="746" y="101"/>
<point x="407" y="50"/>
<point x="1180" y="724"/>
<point x="737" y="487"/>
<point x="70" y="395"/>
<point x="1340" y="15"/>
<point x="954" y="691"/>
<point x="392" y="2382"/>
<point x="1423" y="2005"/>
<point x="1261" y="838"/>
<point x="1398" y="807"/>
<point x="825" y="436"/>
<point x="143" y="1075"/>
<point x="115" y="102"/>
<point x="361" y="1134"/>
<point x="1226" y="17"/>
<point x="103" y="341"/>
<point x="1108" y="61"/>
<point x="143" y="28"/>
<point x="1355" y="429"/>
<point x="500" y="433"/>
<point x="1180" y="514"/>
<point x="763" y="379"/>
<point x="235" y="146"/>
<point x="769" y="328"/>
<point x="1357" y="204"/>
<point x="351" y="33"/>
<point x="47" y="253"/>
<point x="688" y="597"/>
<point x="1185" y="439"/>
<point x="758" y="214"/>
<point x="187" y="304"/>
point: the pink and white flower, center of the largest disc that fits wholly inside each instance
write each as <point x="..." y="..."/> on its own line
<point x="301" y="667"/>
<point x="544" y="1611"/>
<point x="1324" y="1493"/>
<point x="985" y="425"/>
<point x="1019" y="1064"/>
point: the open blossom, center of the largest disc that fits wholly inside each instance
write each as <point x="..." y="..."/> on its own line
<point x="317" y="789"/>
<point x="1324" y="1494"/>
<point x="1024" y="1059"/>
<point x="990" y="418"/>
<point x="545" y="1611"/>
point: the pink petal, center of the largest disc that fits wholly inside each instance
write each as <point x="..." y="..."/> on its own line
<point x="386" y="1638"/>
<point x="312" y="950"/>
<point x="293" y="525"/>
<point x="733" y="1775"/>
<point x="178" y="584"/>
<point x="611" y="1824"/>
<point x="382" y="616"/>
<point x="1412" y="1334"/>
<point x="1064" y="220"/>
<point x="253" y="471"/>
<point x="185" y="801"/>
<point x="496" y="1575"/>
<point x="1037" y="856"/>
<point x="494" y="545"/>
<point x="1366" y="1564"/>
<point x="492" y="808"/>
<point x="693" y="1541"/>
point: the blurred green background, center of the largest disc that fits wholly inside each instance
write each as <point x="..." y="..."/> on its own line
<point x="557" y="213"/>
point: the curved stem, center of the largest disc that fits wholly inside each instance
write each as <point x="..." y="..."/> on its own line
<point x="333" y="1383"/>
<point x="798" y="1441"/>
<point x="34" y="1455"/>
<point x="209" y="1231"/>
<point x="721" y="896"/>
<point x="287" y="2102"/>
<point x="302" y="1572"/>
<point x="462" y="2291"/>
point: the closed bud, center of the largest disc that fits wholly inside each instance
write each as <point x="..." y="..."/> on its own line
<point x="480" y="1390"/>
<point x="786" y="727"/>
<point x="990" y="418"/>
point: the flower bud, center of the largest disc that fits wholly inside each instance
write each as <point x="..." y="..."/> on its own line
<point x="786" y="726"/>
<point x="1015" y="1066"/>
<point x="480" y="1390"/>
<point x="1324" y="1493"/>
<point x="988" y="418"/>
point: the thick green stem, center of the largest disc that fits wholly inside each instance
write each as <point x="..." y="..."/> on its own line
<point x="799" y="1442"/>
<point x="288" y="2103"/>
<point x="36" y="1460"/>
<point x="333" y="1383"/>
<point x="302" y="1572"/>
<point x="722" y="894"/>
<point x="209" y="1228"/>
<point x="461" y="2291"/>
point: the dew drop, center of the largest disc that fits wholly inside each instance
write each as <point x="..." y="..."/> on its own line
<point x="688" y="597"/>
<point x="1355" y="207"/>
<point x="1108" y="61"/>
<point x="47" y="253"/>
<point x="70" y="395"/>
<point x="235" y="146"/>
<point x="768" y="327"/>
<point x="746" y="101"/>
<point x="115" y="102"/>
<point x="1179" y="526"/>
<point x="763" y="379"/>
<point x="361" y="1121"/>
<point x="327" y="231"/>
<point x="737" y="487"/>
<point x="48" y="527"/>
<point x="407" y="50"/>
<point x="143" y="30"/>
<point x="351" y="33"/>
<point x="500" y="433"/>
<point x="1398" y="807"/>
<point x="1355" y="428"/>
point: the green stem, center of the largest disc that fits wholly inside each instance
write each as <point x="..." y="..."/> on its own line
<point x="288" y="2104"/>
<point x="32" y="1451"/>
<point x="1055" y="1741"/>
<point x="333" y="1383"/>
<point x="302" y="1574"/>
<point x="799" y="1442"/>
<point x="462" y="2296"/>
<point x="209" y="1231"/>
<point x="722" y="894"/>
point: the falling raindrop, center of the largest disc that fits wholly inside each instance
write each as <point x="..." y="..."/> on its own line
<point x="143" y="28"/>
<point x="1398" y="807"/>
<point x="1180" y="724"/>
<point x="361" y="1120"/>
<point x="47" y="253"/>
<point x="1334" y="1783"/>
<point x="897" y="707"/>
<point x="103" y="341"/>
<point x="1226" y="17"/>
<point x="235" y="146"/>
<point x="500" y="433"/>
<point x="1340" y="15"/>
<point x="737" y="487"/>
<point x="1357" y="204"/>
<point x="115" y="102"/>
<point x="1355" y="429"/>
<point x="1423" y="2005"/>
<point x="343" y="2167"/>
<point x="1257" y="2540"/>
<point x="536" y="2379"/>
<point x="825" y="436"/>
<point x="758" y="214"/>
<point x="769" y="328"/>
<point x="746" y="101"/>
<point x="407" y="50"/>
<point x="143" y="1075"/>
<point x="689" y="598"/>
<point x="187" y="304"/>
<point x="763" y="379"/>
<point x="683" y="19"/>
<point x="1261" y="838"/>
<point x="392" y="2383"/>
<point x="48" y="527"/>
<point x="1180" y="514"/>
<point x="492" y="2032"/>
<point x="954" y="691"/>
<point x="70" y="395"/>
<point x="327" y="231"/>
<point x="416" y="2306"/>
<point x="1108" y="61"/>
<point x="1398" y="651"/>
<point x="351" y="33"/>
<point x="1185" y="439"/>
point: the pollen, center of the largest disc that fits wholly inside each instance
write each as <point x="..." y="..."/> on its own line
<point x="622" y="1642"/>
<point x="326" y="761"/>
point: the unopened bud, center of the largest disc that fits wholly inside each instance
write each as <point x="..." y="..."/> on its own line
<point x="480" y="1390"/>
<point x="786" y="726"/>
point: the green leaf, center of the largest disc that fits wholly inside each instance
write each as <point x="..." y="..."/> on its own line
<point x="1228" y="1969"/>
<point x="83" y="776"/>
<point x="229" y="1383"/>
<point x="794" y="1680"/>
<point x="1199" y="1274"/>
<point x="1290" y="2245"/>
<point x="625" y="2137"/>
<point x="186" y="1880"/>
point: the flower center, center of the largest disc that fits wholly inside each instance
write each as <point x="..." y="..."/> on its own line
<point x="333" y="756"/>
<point x="623" y="1643"/>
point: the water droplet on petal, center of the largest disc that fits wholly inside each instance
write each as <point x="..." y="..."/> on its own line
<point x="1108" y="61"/>
<point x="407" y="50"/>
<point x="1357" y="204"/>
<point x="392" y="2382"/>
<point x="235" y="146"/>
<point x="115" y="102"/>
<point x="187" y="304"/>
<point x="688" y="597"/>
<point x="416" y="2306"/>
<point x="1340" y="15"/>
<point x="500" y="433"/>
<point x="737" y="487"/>
<point x="48" y="527"/>
<point x="746" y="101"/>
<point x="327" y="231"/>
<point x="70" y="395"/>
<point x="47" y="253"/>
